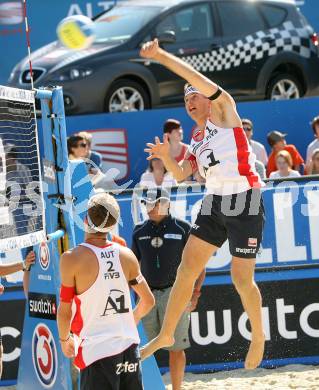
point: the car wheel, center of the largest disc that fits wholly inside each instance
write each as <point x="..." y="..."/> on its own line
<point x="125" y="96"/>
<point x="284" y="86"/>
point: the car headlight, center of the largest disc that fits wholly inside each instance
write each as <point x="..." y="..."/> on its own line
<point x="73" y="74"/>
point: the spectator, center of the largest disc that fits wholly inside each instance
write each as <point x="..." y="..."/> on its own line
<point x="277" y="142"/>
<point x="178" y="149"/>
<point x="260" y="168"/>
<point x="314" y="144"/>
<point x="314" y="164"/>
<point x="284" y="166"/>
<point x="257" y="147"/>
<point x="158" y="244"/>
<point x="77" y="147"/>
<point x="91" y="155"/>
<point x="157" y="175"/>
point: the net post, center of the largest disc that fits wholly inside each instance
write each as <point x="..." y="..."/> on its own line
<point x="57" y="235"/>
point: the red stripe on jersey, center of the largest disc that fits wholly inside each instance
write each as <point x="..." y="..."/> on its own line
<point x="244" y="168"/>
<point x="76" y="327"/>
<point x="78" y="360"/>
<point x="77" y="322"/>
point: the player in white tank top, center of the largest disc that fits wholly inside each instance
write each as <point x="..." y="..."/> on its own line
<point x="104" y="326"/>
<point x="233" y="206"/>
<point x="96" y="323"/>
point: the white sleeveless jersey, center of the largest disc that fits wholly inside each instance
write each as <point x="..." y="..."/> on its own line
<point x="225" y="158"/>
<point x="103" y="320"/>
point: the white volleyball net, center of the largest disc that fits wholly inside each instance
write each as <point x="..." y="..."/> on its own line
<point x="21" y="196"/>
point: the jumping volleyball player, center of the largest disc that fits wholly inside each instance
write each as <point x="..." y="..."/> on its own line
<point x="232" y="208"/>
<point x="95" y="304"/>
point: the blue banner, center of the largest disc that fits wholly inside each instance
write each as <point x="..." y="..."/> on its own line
<point x="291" y="230"/>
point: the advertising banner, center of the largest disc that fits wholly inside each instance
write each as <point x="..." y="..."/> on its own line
<point x="12" y="305"/>
<point x="291" y="228"/>
<point x="220" y="333"/>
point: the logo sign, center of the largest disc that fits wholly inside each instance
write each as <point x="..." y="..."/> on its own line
<point x="44" y="355"/>
<point x="42" y="306"/>
<point x="44" y="256"/>
<point x="157" y="242"/>
<point x="220" y="331"/>
<point x="11" y="12"/>
<point x="112" y="145"/>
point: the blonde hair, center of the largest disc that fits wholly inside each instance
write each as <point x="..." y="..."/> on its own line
<point x="103" y="211"/>
<point x="86" y="135"/>
<point x="286" y="156"/>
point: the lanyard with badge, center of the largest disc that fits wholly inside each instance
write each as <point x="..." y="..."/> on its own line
<point x="157" y="242"/>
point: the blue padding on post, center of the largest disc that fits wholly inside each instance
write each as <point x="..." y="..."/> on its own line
<point x="43" y="94"/>
<point x="56" y="235"/>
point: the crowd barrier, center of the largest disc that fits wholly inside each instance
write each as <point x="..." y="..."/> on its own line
<point x="287" y="273"/>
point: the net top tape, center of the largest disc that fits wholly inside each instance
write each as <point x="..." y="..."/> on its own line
<point x="17" y="95"/>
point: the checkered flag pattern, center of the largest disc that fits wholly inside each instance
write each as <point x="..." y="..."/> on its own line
<point x="254" y="47"/>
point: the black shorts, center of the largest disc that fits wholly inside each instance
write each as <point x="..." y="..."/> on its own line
<point x="118" y="372"/>
<point x="239" y="218"/>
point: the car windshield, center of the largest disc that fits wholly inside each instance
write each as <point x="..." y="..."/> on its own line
<point x="122" y="22"/>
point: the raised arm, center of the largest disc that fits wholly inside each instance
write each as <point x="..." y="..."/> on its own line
<point x="224" y="106"/>
<point x="161" y="150"/>
<point x="136" y="280"/>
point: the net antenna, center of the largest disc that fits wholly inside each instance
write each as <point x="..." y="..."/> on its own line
<point x="27" y="31"/>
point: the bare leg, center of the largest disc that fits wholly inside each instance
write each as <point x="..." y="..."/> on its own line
<point x="177" y="362"/>
<point x="242" y="272"/>
<point x="195" y="256"/>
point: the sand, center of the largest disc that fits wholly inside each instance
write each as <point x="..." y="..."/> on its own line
<point x="297" y="377"/>
<point x="283" y="378"/>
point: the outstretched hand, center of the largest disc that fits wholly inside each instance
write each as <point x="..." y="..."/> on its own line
<point x="150" y="49"/>
<point x="158" y="150"/>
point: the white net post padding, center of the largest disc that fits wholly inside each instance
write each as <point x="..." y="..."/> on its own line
<point x="21" y="196"/>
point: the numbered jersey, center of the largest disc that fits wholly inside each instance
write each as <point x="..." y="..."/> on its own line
<point x="103" y="320"/>
<point x="225" y="158"/>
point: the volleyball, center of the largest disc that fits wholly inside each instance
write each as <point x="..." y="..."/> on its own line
<point x="76" y="32"/>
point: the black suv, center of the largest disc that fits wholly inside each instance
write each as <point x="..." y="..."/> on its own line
<point x="254" y="49"/>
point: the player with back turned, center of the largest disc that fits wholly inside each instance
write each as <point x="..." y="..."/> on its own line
<point x="232" y="208"/>
<point x="95" y="304"/>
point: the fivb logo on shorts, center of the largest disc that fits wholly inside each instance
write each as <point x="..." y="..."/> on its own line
<point x="44" y="256"/>
<point x="44" y="355"/>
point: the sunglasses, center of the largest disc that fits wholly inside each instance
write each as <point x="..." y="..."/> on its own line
<point x="81" y="145"/>
<point x="247" y="128"/>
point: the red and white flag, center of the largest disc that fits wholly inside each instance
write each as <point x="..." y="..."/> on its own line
<point x="252" y="242"/>
<point x="11" y="12"/>
<point x="112" y="144"/>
